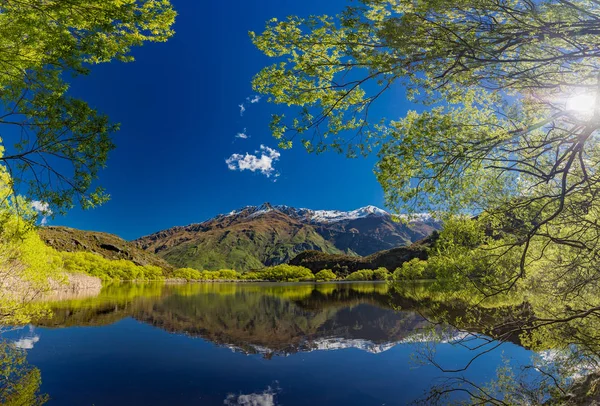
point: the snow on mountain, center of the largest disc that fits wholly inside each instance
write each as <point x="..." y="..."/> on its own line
<point x="329" y="344"/>
<point x="322" y="216"/>
<point x="332" y="216"/>
<point x="323" y="344"/>
<point x="417" y="217"/>
<point x="444" y="337"/>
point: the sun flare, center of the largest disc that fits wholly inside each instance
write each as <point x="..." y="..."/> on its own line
<point x="581" y="103"/>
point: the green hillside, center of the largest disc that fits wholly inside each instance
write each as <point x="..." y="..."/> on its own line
<point x="247" y="245"/>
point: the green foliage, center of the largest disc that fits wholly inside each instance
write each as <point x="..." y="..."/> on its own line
<point x="19" y="382"/>
<point x="95" y="265"/>
<point x="460" y="233"/>
<point x="26" y="264"/>
<point x="43" y="43"/>
<point x="228" y="274"/>
<point x="362" y="275"/>
<point x="463" y="253"/>
<point x="195" y="275"/>
<point x="27" y="267"/>
<point x="325" y="275"/>
<point x="286" y="273"/>
<point x="381" y="274"/>
<point x="413" y="269"/>
<point x="496" y="133"/>
<point x="250" y="276"/>
<point x="189" y="274"/>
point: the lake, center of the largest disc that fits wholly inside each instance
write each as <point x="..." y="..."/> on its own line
<point x="243" y="344"/>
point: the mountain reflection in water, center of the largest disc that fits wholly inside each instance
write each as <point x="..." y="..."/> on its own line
<point x="242" y="344"/>
<point x="254" y="318"/>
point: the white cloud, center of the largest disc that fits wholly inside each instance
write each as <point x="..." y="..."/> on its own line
<point x="253" y="163"/>
<point x="42" y="208"/>
<point x="254" y="99"/>
<point x="242" y="135"/>
<point x="27" y="343"/>
<point x="242" y="109"/>
<point x="267" y="398"/>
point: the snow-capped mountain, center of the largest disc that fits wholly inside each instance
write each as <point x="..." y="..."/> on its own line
<point x="334" y="216"/>
<point x="317" y="216"/>
<point x="324" y="216"/>
<point x="254" y="236"/>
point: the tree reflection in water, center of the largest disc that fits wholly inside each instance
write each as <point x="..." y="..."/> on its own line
<point x="565" y="342"/>
<point x="19" y="381"/>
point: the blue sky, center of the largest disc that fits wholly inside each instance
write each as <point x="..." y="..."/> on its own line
<point x="178" y="109"/>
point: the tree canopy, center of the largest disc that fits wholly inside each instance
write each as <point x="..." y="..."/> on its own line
<point x="504" y="130"/>
<point x="54" y="145"/>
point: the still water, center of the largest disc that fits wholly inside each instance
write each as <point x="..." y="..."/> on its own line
<point x="242" y="344"/>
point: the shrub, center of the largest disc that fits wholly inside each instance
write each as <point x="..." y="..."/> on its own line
<point x="286" y="273"/>
<point x="209" y="275"/>
<point x="381" y="274"/>
<point x="152" y="272"/>
<point x="189" y="274"/>
<point x="325" y="275"/>
<point x="413" y="269"/>
<point x="362" y="275"/>
<point x="195" y="275"/>
<point x="229" y="274"/>
<point x="250" y="276"/>
<point x="96" y="265"/>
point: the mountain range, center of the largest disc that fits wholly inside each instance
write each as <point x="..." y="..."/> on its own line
<point x="258" y="236"/>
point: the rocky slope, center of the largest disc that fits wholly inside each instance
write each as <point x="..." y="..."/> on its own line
<point x="107" y="245"/>
<point x="258" y="236"/>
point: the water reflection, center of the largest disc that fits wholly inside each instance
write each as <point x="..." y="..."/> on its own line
<point x="255" y="318"/>
<point x="19" y="381"/>
<point x="265" y="398"/>
<point x="298" y="332"/>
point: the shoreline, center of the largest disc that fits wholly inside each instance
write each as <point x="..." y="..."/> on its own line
<point x="185" y="281"/>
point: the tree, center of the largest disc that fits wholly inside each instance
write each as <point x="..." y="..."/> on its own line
<point x="507" y="131"/>
<point x="54" y="144"/>
<point x="381" y="274"/>
<point x="507" y="134"/>
<point x="27" y="265"/>
<point x="362" y="275"/>
<point x="285" y="273"/>
<point x="325" y="275"/>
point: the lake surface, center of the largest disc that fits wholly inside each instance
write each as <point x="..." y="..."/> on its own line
<point x="242" y="344"/>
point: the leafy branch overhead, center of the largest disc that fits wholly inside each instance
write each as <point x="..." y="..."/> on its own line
<point x="500" y="133"/>
<point x="54" y="144"/>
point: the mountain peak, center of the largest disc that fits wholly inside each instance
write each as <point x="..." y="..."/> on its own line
<point x="265" y="206"/>
<point x="309" y="215"/>
<point x="332" y="216"/>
